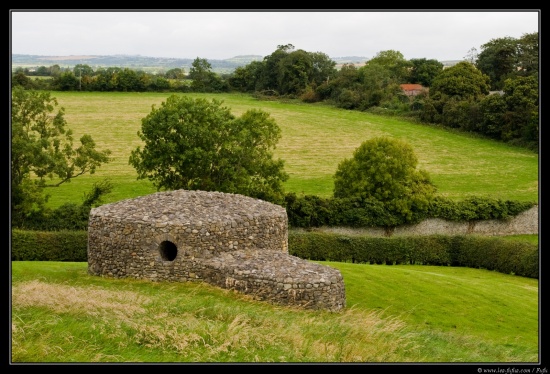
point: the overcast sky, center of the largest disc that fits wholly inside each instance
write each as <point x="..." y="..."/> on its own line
<point x="442" y="35"/>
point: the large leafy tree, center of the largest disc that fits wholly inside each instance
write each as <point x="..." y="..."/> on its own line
<point x="424" y="71"/>
<point x="83" y="70"/>
<point x="378" y="85"/>
<point x="295" y="72"/>
<point x="454" y="95"/>
<point x="384" y="169"/>
<point x="461" y="81"/>
<point x="504" y="58"/>
<point x="203" y="78"/>
<point x="528" y="55"/>
<point x="66" y="82"/>
<point x="324" y="68"/>
<point x="269" y="79"/>
<point x="247" y="78"/>
<point x="345" y="90"/>
<point x="393" y="61"/>
<point x="175" y="73"/>
<point x="198" y="144"/>
<point x="200" y="73"/>
<point x="521" y="120"/>
<point x="497" y="60"/>
<point x="42" y="152"/>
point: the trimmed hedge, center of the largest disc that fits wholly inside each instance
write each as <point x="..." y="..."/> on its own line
<point x="491" y="253"/>
<point x="312" y="211"/>
<point x="70" y="246"/>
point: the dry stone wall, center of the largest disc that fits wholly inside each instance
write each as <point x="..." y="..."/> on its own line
<point x="228" y="240"/>
<point x="524" y="223"/>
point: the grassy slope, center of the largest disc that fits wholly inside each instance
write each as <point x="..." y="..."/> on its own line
<point x="428" y="314"/>
<point x="315" y="138"/>
<point x="405" y="314"/>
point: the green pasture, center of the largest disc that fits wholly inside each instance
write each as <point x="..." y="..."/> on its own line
<point x="394" y="314"/>
<point x="315" y="139"/>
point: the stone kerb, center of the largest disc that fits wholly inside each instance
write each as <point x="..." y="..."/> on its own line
<point x="228" y="240"/>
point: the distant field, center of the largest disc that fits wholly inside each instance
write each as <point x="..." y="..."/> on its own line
<point x="315" y="138"/>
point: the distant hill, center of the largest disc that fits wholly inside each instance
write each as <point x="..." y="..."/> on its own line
<point x="149" y="64"/>
<point x="157" y="64"/>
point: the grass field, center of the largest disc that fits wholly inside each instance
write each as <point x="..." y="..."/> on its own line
<point x="315" y="139"/>
<point x="394" y="314"/>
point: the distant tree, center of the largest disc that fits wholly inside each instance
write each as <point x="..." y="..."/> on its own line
<point x="424" y="71"/>
<point x="42" y="71"/>
<point x="269" y="79"/>
<point x="454" y="97"/>
<point x="393" y="61"/>
<point x="159" y="84"/>
<point x="66" y="82"/>
<point x="461" y="81"/>
<point x="199" y="145"/>
<point x="175" y="73"/>
<point x="55" y="70"/>
<point x="514" y="116"/>
<point x="294" y="72"/>
<point x="200" y="73"/>
<point x="471" y="56"/>
<point x="521" y="121"/>
<point x="20" y="79"/>
<point x="493" y="110"/>
<point x="105" y="80"/>
<point x="247" y="78"/>
<point x="384" y="169"/>
<point x="287" y="72"/>
<point x="378" y="85"/>
<point x="346" y="89"/>
<point x="42" y="150"/>
<point x="83" y="70"/>
<point x="324" y="68"/>
<point x="129" y="80"/>
<point x="497" y="60"/>
<point x="528" y="55"/>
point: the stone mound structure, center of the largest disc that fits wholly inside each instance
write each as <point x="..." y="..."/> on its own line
<point x="228" y="240"/>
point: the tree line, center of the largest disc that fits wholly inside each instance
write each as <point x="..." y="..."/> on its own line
<point x="494" y="92"/>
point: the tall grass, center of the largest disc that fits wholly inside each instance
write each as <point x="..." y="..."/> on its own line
<point x="394" y="314"/>
<point x="315" y="139"/>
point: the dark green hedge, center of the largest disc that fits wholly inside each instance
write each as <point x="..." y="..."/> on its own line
<point x="313" y="211"/>
<point x="71" y="246"/>
<point x="491" y="253"/>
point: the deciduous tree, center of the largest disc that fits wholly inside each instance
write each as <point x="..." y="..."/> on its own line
<point x="198" y="144"/>
<point x="462" y="81"/>
<point x="424" y="71"/>
<point x="384" y="169"/>
<point x="42" y="152"/>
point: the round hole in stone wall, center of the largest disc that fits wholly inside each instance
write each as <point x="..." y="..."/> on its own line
<point x="168" y="250"/>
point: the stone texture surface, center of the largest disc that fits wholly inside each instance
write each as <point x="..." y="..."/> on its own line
<point x="228" y="240"/>
<point x="524" y="223"/>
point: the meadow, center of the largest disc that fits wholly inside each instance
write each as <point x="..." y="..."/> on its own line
<point x="395" y="314"/>
<point x="315" y="139"/>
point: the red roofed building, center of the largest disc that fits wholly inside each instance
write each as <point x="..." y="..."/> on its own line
<point x="413" y="89"/>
